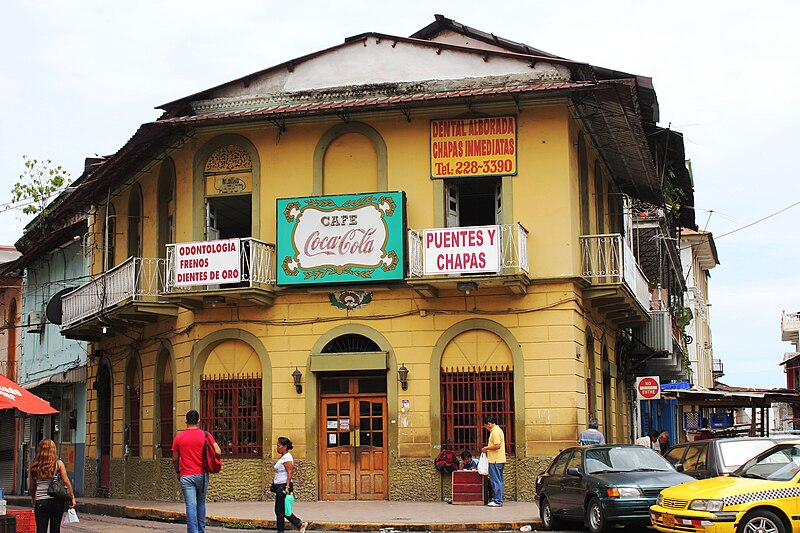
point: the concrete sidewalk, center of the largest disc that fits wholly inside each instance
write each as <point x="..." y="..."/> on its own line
<point x="327" y="516"/>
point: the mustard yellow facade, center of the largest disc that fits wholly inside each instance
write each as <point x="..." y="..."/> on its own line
<point x="542" y="332"/>
<point x="369" y="377"/>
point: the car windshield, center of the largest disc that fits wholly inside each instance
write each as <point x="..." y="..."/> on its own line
<point x="736" y="452"/>
<point x="624" y="459"/>
<point x="781" y="463"/>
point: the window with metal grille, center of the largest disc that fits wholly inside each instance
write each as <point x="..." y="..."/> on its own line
<point x="135" y="408"/>
<point x="232" y="413"/>
<point x="167" y="418"/>
<point x="469" y="394"/>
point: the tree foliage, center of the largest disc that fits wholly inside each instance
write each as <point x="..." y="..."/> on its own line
<point x="38" y="183"/>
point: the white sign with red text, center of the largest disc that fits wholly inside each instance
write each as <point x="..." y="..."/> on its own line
<point x="648" y="388"/>
<point x="463" y="250"/>
<point x="207" y="263"/>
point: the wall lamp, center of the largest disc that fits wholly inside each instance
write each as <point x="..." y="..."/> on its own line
<point x="296" y="377"/>
<point x="467" y="286"/>
<point x="402" y="372"/>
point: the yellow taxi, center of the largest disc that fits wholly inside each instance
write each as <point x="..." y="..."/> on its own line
<point x="762" y="496"/>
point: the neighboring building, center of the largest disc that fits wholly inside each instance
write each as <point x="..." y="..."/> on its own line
<point x="452" y="238"/>
<point x="699" y="256"/>
<point x="54" y="261"/>
<point x="790" y="332"/>
<point x="10" y="299"/>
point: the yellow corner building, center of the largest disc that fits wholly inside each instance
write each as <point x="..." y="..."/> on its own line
<point x="366" y="249"/>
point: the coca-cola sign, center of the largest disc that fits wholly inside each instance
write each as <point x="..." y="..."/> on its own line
<point x="336" y="239"/>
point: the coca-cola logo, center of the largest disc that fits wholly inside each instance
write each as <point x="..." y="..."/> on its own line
<point x="339" y="237"/>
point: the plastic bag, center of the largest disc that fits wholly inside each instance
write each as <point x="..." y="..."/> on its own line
<point x="288" y="504"/>
<point x="71" y="516"/>
<point x="483" y="465"/>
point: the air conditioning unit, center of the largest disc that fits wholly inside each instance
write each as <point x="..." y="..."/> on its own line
<point x="35" y="322"/>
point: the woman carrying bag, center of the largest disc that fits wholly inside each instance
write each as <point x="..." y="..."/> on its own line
<point x="282" y="487"/>
<point x="47" y="468"/>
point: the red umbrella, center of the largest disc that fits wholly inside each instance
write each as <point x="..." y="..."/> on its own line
<point x="12" y="396"/>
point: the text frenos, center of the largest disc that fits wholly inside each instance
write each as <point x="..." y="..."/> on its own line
<point x="461" y="250"/>
<point x="209" y="262"/>
<point x="473" y="147"/>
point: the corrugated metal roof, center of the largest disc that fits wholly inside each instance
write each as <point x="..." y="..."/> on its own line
<point x="374" y="102"/>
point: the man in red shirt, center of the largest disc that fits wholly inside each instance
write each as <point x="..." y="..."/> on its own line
<point x="187" y="456"/>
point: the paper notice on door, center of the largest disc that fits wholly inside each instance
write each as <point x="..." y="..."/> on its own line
<point x="344" y="424"/>
<point x="332" y="438"/>
<point x="333" y="424"/>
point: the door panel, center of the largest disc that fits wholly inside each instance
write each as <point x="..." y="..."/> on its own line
<point x="353" y="458"/>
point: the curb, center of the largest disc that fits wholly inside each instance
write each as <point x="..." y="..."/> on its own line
<point x="145" y="513"/>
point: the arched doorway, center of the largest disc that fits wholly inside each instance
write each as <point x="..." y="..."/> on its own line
<point x="352" y="424"/>
<point x="608" y="410"/>
<point x="104" y="387"/>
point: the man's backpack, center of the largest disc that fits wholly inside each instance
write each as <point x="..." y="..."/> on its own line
<point x="212" y="463"/>
<point x="446" y="461"/>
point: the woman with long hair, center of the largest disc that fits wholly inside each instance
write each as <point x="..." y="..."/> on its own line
<point x="282" y="485"/>
<point x="45" y="466"/>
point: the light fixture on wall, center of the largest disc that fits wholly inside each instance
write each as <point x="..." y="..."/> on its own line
<point x="467" y="286"/>
<point x="297" y="376"/>
<point x="402" y="372"/>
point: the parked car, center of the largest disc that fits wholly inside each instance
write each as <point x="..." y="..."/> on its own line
<point x="603" y="485"/>
<point x="760" y="497"/>
<point x="716" y="457"/>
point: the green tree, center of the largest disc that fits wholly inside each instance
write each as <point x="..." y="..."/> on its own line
<point x="38" y="183"/>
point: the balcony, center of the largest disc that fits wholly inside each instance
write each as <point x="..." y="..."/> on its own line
<point x="511" y="274"/>
<point x="658" y="343"/>
<point x="617" y="287"/>
<point x="717" y="369"/>
<point x="790" y="328"/>
<point x="256" y="284"/>
<point x="126" y="296"/>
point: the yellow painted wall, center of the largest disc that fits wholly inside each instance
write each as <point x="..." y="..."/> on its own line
<point x="548" y="323"/>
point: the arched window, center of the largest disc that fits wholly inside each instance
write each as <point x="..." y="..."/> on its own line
<point x="166" y="206"/>
<point x="351" y="165"/>
<point x="135" y="226"/>
<point x="110" y="237"/>
<point x="11" y="322"/>
<point x="599" y="198"/>
<point x="351" y="343"/>
<point x="230" y="398"/>
<point x="583" y="184"/>
<point x="591" y="377"/>
<point x="477" y="379"/>
<point x="133" y="393"/>
<point x="166" y="401"/>
<point x="228" y="177"/>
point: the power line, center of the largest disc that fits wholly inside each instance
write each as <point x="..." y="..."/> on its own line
<point x="759" y="220"/>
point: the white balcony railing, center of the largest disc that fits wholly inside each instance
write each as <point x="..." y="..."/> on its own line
<point x="257" y="260"/>
<point x="136" y="279"/>
<point x="607" y="259"/>
<point x="513" y="246"/>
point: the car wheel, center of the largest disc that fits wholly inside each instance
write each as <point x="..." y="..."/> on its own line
<point x="595" y="519"/>
<point x="549" y="522"/>
<point x="761" y="522"/>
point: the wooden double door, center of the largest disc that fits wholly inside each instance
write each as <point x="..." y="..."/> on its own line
<point x="353" y="445"/>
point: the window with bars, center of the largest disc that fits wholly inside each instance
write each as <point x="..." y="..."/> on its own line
<point x="469" y="394"/>
<point x="167" y="419"/>
<point x="232" y="413"/>
<point x="134" y="404"/>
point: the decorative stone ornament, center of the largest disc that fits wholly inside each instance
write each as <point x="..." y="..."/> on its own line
<point x="350" y="299"/>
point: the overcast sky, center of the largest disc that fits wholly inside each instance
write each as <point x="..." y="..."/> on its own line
<point x="77" y="78"/>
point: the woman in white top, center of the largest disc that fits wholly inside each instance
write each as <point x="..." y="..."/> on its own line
<point x="44" y="467"/>
<point x="282" y="485"/>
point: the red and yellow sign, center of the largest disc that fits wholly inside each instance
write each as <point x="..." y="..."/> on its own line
<point x="472" y="147"/>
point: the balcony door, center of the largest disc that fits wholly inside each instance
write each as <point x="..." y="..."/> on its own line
<point x="474" y="202"/>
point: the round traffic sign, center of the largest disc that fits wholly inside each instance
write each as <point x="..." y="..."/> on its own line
<point x="648" y="388"/>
